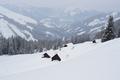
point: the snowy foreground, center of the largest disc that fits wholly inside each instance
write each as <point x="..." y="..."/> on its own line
<point x="86" y="61"/>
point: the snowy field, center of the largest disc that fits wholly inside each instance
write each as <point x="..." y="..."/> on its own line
<point x="86" y="61"/>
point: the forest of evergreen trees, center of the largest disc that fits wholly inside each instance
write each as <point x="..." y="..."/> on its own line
<point x="18" y="45"/>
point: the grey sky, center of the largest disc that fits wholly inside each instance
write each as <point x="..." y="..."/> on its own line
<point x="82" y="4"/>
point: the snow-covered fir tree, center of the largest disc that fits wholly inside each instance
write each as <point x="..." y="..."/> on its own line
<point x="109" y="32"/>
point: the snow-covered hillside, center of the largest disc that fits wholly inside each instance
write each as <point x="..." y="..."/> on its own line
<point x="17" y="17"/>
<point x="26" y="27"/>
<point x="11" y="24"/>
<point x="33" y="23"/>
<point x="86" y="61"/>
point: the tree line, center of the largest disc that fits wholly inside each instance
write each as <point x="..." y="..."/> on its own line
<point x="18" y="45"/>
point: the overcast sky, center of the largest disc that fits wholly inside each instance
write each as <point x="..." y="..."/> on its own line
<point x="82" y="4"/>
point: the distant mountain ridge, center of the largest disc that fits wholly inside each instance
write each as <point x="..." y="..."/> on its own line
<point x="53" y="24"/>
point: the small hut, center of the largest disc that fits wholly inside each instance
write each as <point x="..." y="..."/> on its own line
<point x="45" y="55"/>
<point x="56" y="58"/>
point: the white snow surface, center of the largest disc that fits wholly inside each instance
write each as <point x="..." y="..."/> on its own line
<point x="48" y="25"/>
<point x="30" y="36"/>
<point x="86" y="61"/>
<point x="81" y="33"/>
<point x="98" y="29"/>
<point x="16" y="17"/>
<point x="5" y="29"/>
<point x="29" y="27"/>
<point x="96" y="22"/>
<point x="116" y="19"/>
<point x="47" y="22"/>
<point x="8" y="30"/>
<point x="49" y="33"/>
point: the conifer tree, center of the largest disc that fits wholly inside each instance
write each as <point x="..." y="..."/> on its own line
<point x="109" y="33"/>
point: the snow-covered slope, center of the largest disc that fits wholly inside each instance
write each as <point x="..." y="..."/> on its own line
<point x="97" y="23"/>
<point x="77" y="21"/>
<point x="45" y="23"/>
<point x="26" y="27"/>
<point x="86" y="61"/>
<point x="14" y="24"/>
<point x="17" y="17"/>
